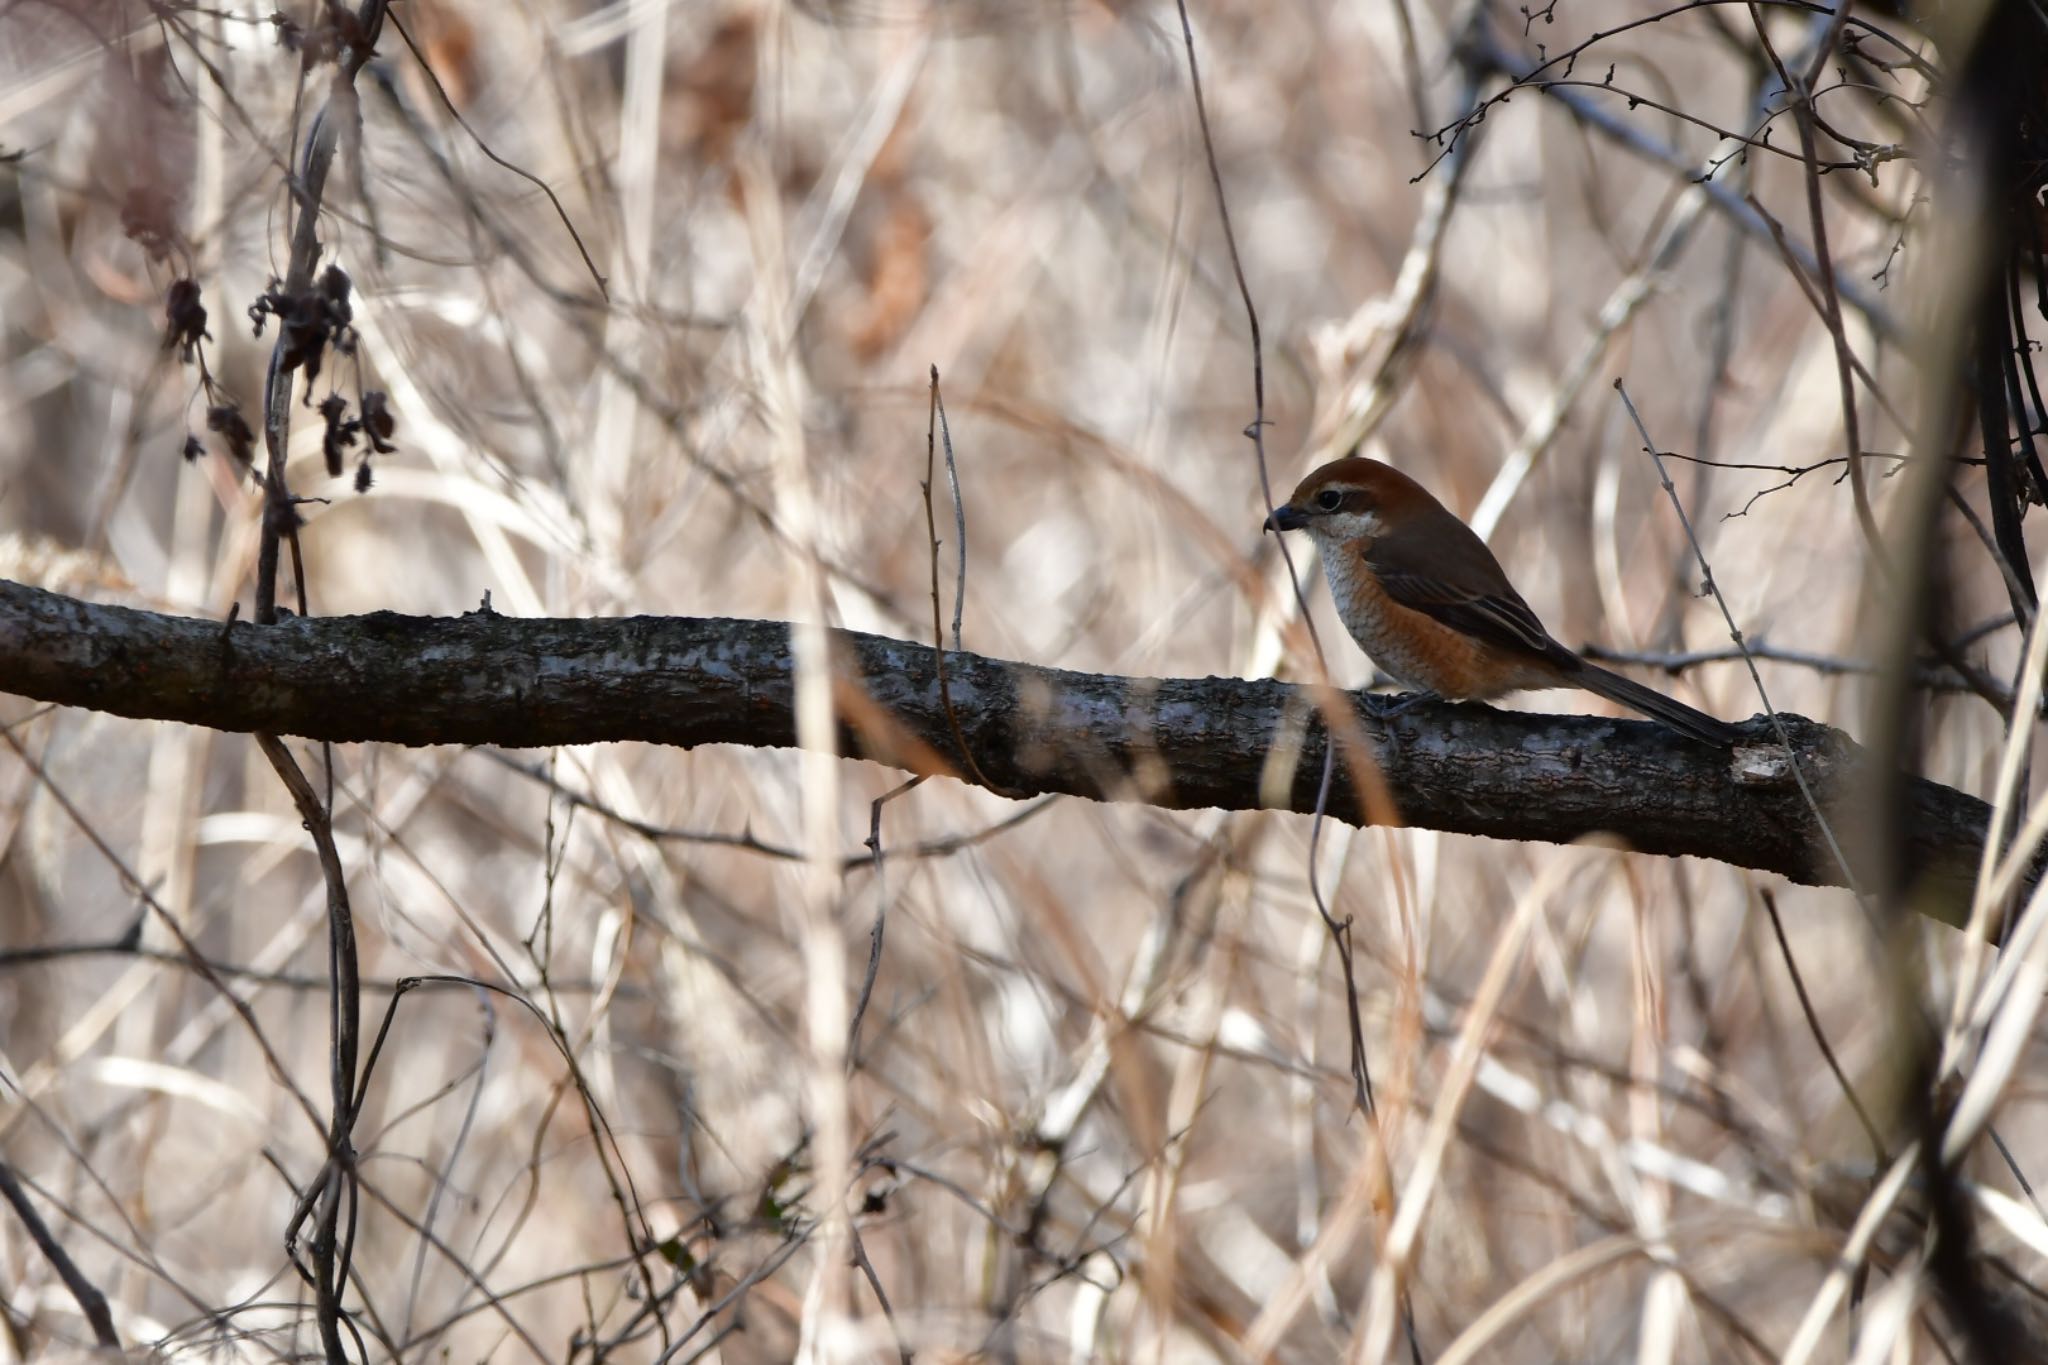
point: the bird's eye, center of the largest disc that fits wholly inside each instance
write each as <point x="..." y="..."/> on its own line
<point x="1329" y="499"/>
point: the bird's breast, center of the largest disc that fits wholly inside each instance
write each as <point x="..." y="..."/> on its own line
<point x="1417" y="649"/>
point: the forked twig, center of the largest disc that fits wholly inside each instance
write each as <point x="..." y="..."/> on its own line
<point x="939" y="430"/>
<point x="931" y="527"/>
<point x="875" y="934"/>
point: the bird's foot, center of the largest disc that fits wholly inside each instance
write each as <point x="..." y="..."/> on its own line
<point x="1382" y="706"/>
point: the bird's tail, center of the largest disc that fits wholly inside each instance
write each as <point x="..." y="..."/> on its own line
<point x="1676" y="714"/>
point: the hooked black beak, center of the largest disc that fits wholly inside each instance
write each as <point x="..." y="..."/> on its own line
<point x="1286" y="518"/>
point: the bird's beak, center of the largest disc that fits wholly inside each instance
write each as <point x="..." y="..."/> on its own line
<point x="1286" y="518"/>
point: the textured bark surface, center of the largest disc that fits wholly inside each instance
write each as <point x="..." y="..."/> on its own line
<point x="514" y="682"/>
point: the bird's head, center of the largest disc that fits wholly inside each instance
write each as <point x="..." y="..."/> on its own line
<point x="1352" y="499"/>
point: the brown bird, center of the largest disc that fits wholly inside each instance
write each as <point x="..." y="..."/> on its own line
<point x="1422" y="595"/>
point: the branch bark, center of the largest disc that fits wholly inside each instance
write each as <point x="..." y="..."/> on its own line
<point x="515" y="682"/>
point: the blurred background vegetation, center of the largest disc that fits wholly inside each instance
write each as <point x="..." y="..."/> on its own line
<point x="1100" y="1107"/>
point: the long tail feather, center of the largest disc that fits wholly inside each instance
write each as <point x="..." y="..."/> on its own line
<point x="1676" y="714"/>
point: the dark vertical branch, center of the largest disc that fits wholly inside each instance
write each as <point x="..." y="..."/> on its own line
<point x="1997" y="107"/>
<point x="331" y="1248"/>
<point x="90" y="1301"/>
<point x="308" y="187"/>
<point x="1987" y="177"/>
<point x="279" y="516"/>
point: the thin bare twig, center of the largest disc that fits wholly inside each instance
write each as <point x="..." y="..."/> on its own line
<point x="875" y="934"/>
<point x="931" y="526"/>
<point x="1487" y="51"/>
<point x="336" y="1184"/>
<point x="84" y="1292"/>
<point x="426" y="70"/>
<point x="749" y="842"/>
<point x="1933" y="677"/>
<point x="959" y="508"/>
<point x="1800" y="93"/>
<point x="867" y="1270"/>
<point x="1340" y="932"/>
<point x="15" y="959"/>
<point x="1820" y="1037"/>
<point x="186" y="946"/>
<point x="611" y="1158"/>
<point x="1735" y="633"/>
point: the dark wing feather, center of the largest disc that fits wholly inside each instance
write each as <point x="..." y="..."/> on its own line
<point x="1455" y="579"/>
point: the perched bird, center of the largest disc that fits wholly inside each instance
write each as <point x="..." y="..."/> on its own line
<point x="1421" y="593"/>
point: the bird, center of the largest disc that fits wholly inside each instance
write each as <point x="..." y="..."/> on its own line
<point x="1423" y="596"/>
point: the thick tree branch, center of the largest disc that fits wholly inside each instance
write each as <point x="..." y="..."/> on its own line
<point x="483" y="678"/>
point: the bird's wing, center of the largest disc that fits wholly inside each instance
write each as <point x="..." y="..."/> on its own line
<point x="1456" y="580"/>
